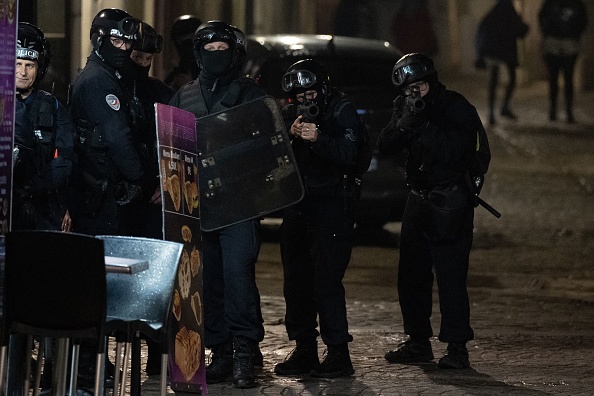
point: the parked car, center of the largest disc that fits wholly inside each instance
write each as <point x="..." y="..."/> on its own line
<point x="362" y="69"/>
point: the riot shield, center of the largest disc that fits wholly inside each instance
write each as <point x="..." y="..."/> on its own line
<point x="246" y="165"/>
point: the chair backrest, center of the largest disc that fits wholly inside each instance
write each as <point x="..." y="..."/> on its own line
<point x="55" y="281"/>
<point x="145" y="295"/>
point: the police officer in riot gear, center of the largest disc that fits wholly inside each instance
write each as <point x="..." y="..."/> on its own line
<point x="438" y="127"/>
<point x="182" y="35"/>
<point x="144" y="217"/>
<point x="109" y="171"/>
<point x="317" y="233"/>
<point x="44" y="138"/>
<point x="232" y="318"/>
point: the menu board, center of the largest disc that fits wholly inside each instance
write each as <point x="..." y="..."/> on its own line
<point x="176" y="132"/>
<point x="8" y="34"/>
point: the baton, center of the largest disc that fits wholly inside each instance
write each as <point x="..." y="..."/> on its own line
<point x="491" y="209"/>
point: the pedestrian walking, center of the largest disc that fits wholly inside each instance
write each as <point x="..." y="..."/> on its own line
<point x="233" y="324"/>
<point x="562" y="23"/>
<point x="317" y="233"/>
<point x="496" y="46"/>
<point x="438" y="128"/>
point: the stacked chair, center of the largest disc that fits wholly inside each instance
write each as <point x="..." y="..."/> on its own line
<point x="54" y="288"/>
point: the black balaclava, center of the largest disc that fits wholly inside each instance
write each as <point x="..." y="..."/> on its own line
<point x="141" y="72"/>
<point x="117" y="58"/>
<point x="435" y="88"/>
<point x="216" y="63"/>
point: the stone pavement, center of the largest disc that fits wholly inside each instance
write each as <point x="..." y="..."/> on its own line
<point x="525" y="345"/>
<point x="531" y="280"/>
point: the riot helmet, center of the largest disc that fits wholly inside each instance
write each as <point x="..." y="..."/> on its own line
<point x="182" y="31"/>
<point x="306" y="75"/>
<point x="215" y="63"/>
<point x="241" y="45"/>
<point x="113" y="22"/>
<point x="148" y="40"/>
<point x="118" y="24"/>
<point x="411" y="68"/>
<point x="32" y="45"/>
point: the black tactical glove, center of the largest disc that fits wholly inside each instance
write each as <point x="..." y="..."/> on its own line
<point x="24" y="191"/>
<point x="411" y="121"/>
<point x="127" y="193"/>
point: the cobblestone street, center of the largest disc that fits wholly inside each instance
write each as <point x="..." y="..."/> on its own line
<point x="531" y="279"/>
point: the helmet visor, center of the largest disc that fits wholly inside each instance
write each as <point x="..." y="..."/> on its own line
<point x="298" y="79"/>
<point x="408" y="73"/>
<point x="129" y="26"/>
<point x="211" y="35"/>
<point x="126" y="28"/>
<point x="149" y="43"/>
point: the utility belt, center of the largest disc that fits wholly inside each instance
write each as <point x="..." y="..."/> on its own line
<point x="334" y="187"/>
<point x="448" y="197"/>
<point x="347" y="189"/>
<point x="421" y="193"/>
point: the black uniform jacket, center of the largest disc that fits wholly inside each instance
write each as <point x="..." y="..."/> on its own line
<point x="437" y="151"/>
<point x="324" y="162"/>
<point x="97" y="97"/>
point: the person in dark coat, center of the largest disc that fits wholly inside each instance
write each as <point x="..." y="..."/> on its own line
<point x="44" y="140"/>
<point x="233" y="324"/>
<point x="562" y="22"/>
<point x="496" y="45"/>
<point x="438" y="134"/>
<point x="143" y="218"/>
<point x="187" y="69"/>
<point x="109" y="172"/>
<point x="317" y="233"/>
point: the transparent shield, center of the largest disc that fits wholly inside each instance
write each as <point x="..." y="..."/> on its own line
<point x="246" y="165"/>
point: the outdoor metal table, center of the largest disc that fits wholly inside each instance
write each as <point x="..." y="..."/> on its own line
<point x="123" y="265"/>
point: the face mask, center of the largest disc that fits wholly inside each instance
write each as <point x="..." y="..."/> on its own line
<point x="115" y="57"/>
<point x="216" y="63"/>
<point x="141" y="72"/>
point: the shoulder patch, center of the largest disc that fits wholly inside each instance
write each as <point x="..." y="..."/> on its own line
<point x="113" y="101"/>
<point x="349" y="134"/>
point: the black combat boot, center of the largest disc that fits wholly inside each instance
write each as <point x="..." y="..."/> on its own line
<point x="411" y="351"/>
<point x="243" y="362"/>
<point x="221" y="363"/>
<point x="258" y="357"/>
<point x="337" y="363"/>
<point x="301" y="360"/>
<point x="456" y="358"/>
